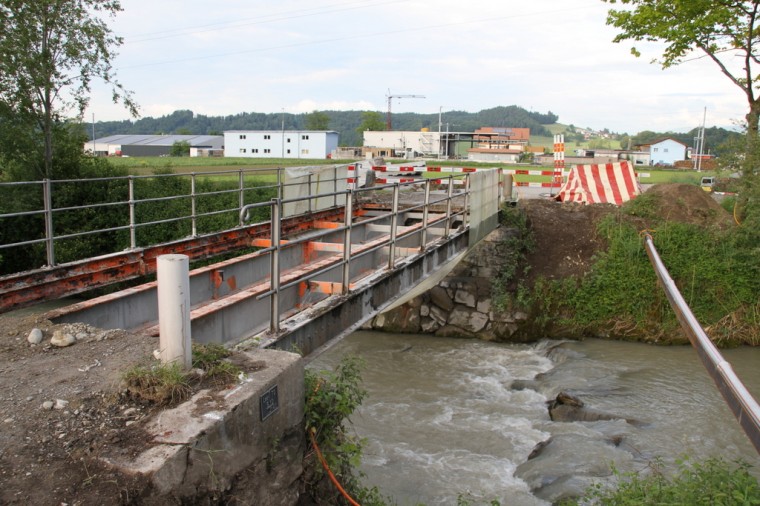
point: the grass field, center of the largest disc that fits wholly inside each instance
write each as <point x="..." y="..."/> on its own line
<point x="216" y="167"/>
<point x="147" y="165"/>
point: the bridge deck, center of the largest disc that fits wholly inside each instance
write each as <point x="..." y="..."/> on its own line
<point x="232" y="300"/>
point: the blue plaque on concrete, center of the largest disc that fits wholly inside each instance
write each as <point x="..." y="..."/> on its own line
<point x="269" y="403"/>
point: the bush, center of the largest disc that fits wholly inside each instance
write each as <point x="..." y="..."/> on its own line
<point x="713" y="482"/>
<point x="331" y="398"/>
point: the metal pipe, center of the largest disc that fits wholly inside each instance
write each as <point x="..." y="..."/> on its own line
<point x="741" y="402"/>
<point x="241" y="187"/>
<point x="450" y="193"/>
<point x="274" y="276"/>
<point x="394" y="226"/>
<point x="132" y="235"/>
<point x="347" y="243"/>
<point x="192" y="205"/>
<point x="467" y="199"/>
<point x="47" y="197"/>
<point x="423" y="235"/>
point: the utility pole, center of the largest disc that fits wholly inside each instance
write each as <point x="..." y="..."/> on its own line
<point x="440" y="111"/>
<point x="388" y="123"/>
<point x="702" y="143"/>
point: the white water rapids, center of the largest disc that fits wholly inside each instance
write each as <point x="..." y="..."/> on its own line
<point x="450" y="417"/>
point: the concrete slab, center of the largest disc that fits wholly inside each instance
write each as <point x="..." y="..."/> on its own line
<point x="202" y="446"/>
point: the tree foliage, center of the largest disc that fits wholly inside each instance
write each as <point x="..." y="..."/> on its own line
<point x="371" y="121"/>
<point x="317" y="120"/>
<point x="719" y="30"/>
<point x="180" y="148"/>
<point x="50" y="52"/>
<point x="343" y="122"/>
<point x="725" y="31"/>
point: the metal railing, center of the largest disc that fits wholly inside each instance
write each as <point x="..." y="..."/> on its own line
<point x="36" y="208"/>
<point x="736" y="395"/>
<point x="277" y="246"/>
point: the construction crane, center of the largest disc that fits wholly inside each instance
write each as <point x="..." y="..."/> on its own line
<point x="388" y="124"/>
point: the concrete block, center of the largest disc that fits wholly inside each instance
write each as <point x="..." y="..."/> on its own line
<point x="205" y="443"/>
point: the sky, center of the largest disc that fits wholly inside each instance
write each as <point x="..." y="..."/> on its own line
<point x="234" y="56"/>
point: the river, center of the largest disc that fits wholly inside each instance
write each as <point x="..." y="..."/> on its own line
<point x="449" y="417"/>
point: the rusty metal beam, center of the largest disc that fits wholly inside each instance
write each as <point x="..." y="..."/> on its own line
<point x="30" y="287"/>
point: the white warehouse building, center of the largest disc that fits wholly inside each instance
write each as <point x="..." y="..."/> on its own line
<point x="279" y="143"/>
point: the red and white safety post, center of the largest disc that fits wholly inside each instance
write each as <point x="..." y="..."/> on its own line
<point x="559" y="160"/>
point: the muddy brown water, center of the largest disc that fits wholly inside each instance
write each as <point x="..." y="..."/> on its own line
<point x="448" y="417"/>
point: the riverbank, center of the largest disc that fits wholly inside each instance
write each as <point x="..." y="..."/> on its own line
<point x="557" y="270"/>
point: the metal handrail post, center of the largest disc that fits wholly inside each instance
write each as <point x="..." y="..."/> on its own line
<point x="467" y="200"/>
<point x="47" y="196"/>
<point x="500" y="173"/>
<point x="132" y="226"/>
<point x="347" y="242"/>
<point x="450" y="193"/>
<point x="308" y="181"/>
<point x="274" y="278"/>
<point x="279" y="183"/>
<point x="394" y="226"/>
<point x="241" y="186"/>
<point x="192" y="205"/>
<point x="423" y="234"/>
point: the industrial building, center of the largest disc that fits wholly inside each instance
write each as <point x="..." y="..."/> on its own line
<point x="280" y="144"/>
<point x="154" y="145"/>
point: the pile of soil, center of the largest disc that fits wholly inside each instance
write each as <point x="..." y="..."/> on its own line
<point x="566" y="233"/>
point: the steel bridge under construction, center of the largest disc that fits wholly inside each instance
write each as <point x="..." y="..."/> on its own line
<point x="328" y="258"/>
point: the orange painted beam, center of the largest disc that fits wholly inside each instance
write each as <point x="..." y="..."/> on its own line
<point x="26" y="288"/>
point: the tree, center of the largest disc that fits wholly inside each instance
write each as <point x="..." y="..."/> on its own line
<point x="50" y="51"/>
<point x="180" y="148"/>
<point x="720" y="30"/>
<point x="317" y="120"/>
<point x="372" y="121"/>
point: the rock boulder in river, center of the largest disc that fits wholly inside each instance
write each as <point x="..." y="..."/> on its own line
<point x="569" y="408"/>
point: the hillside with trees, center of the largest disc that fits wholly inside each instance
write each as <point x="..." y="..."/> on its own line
<point x="344" y="122"/>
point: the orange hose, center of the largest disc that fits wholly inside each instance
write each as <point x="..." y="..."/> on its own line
<point x="327" y="468"/>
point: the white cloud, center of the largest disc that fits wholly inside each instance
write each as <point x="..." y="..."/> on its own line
<point x="302" y="55"/>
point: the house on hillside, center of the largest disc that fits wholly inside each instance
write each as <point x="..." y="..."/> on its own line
<point x="153" y="145"/>
<point x="280" y="143"/>
<point x="666" y="151"/>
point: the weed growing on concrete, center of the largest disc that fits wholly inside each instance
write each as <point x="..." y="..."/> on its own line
<point x="161" y="384"/>
<point x="211" y="359"/>
<point x="169" y="384"/>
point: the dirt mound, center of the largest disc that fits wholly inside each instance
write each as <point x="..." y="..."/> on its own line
<point x="566" y="237"/>
<point x="686" y="203"/>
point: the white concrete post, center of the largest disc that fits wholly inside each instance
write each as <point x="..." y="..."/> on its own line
<point x="174" y="309"/>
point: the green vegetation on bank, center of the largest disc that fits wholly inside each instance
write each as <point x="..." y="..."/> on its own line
<point x="711" y="482"/>
<point x="716" y="269"/>
<point x="331" y="398"/>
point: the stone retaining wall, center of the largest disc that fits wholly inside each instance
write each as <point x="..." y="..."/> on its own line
<point x="461" y="304"/>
